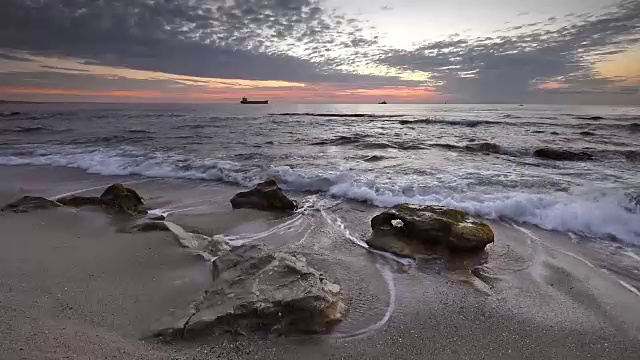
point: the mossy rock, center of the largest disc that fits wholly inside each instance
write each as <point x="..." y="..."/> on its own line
<point x="118" y="198"/>
<point x="411" y="230"/>
<point x="266" y="196"/>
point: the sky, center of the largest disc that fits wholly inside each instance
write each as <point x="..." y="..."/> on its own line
<point x="331" y="51"/>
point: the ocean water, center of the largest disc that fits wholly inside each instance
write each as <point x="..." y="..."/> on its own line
<point x="478" y="158"/>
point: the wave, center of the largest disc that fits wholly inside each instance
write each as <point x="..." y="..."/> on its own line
<point x="467" y="123"/>
<point x="25" y="129"/>
<point x="596" y="212"/>
<point x="340" y="140"/>
<point x="341" y="115"/>
<point x="10" y="114"/>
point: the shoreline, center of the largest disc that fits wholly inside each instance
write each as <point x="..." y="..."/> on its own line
<point x="73" y="285"/>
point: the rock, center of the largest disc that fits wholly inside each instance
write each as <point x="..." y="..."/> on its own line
<point x="121" y="199"/>
<point x="266" y="196"/>
<point x="411" y="230"/>
<point x="562" y="155"/>
<point x="258" y="290"/>
<point x="30" y="203"/>
<point x="79" y="201"/>
<point x="150" y="226"/>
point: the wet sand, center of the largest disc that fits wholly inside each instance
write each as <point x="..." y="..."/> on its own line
<point x="72" y="285"/>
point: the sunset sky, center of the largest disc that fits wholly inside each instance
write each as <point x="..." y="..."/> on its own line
<point x="459" y="51"/>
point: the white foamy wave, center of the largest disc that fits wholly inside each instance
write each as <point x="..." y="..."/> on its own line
<point x="127" y="161"/>
<point x="588" y="211"/>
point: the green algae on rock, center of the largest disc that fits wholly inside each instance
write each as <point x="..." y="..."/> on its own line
<point x="411" y="230"/>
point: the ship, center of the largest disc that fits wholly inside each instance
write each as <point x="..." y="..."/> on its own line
<point x="253" y="102"/>
<point x="382" y="102"/>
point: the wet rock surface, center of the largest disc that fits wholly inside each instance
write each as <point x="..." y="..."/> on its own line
<point x="121" y="199"/>
<point x="259" y="290"/>
<point x="412" y="230"/>
<point x="266" y="196"/>
<point x="30" y="203"/>
<point x="79" y="201"/>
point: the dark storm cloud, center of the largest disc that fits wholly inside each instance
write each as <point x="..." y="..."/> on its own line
<point x="246" y="39"/>
<point x="504" y="67"/>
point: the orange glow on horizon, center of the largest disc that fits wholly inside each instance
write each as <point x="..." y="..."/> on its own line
<point x="310" y="93"/>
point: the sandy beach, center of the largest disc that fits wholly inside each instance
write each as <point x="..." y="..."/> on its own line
<point x="74" y="285"/>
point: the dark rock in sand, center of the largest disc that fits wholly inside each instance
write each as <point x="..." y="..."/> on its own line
<point x="266" y="196"/>
<point x="30" y="203"/>
<point x="150" y="226"/>
<point x="79" y="201"/>
<point x="562" y="155"/>
<point x="121" y="199"/>
<point x="412" y="230"/>
<point x="258" y="290"/>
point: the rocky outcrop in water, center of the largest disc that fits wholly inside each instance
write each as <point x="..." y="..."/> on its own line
<point x="266" y="196"/>
<point x="258" y="290"/>
<point x="30" y="203"/>
<point x="562" y="155"/>
<point x="412" y="230"/>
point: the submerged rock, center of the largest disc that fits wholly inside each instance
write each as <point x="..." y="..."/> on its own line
<point x="30" y="203"/>
<point x="121" y="199"/>
<point x="562" y="155"/>
<point x="411" y="230"/>
<point x="79" y="201"/>
<point x="258" y="290"/>
<point x="266" y="196"/>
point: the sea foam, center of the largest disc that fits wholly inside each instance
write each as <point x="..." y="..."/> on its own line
<point x="590" y="211"/>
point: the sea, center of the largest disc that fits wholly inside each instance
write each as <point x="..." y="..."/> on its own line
<point x="477" y="158"/>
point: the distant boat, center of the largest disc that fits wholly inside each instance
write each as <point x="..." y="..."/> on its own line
<point x="520" y="105"/>
<point x="250" y="102"/>
<point x="382" y="102"/>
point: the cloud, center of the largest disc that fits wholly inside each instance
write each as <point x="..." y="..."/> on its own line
<point x="11" y="57"/>
<point x="503" y="68"/>
<point x="62" y="68"/>
<point x="249" y="39"/>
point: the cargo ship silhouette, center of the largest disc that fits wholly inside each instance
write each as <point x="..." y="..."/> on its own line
<point x="250" y="102"/>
